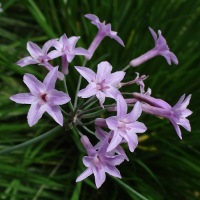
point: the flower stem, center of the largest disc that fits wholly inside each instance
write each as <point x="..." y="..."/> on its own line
<point x="32" y="141"/>
<point x="78" y="87"/>
<point x="66" y="90"/>
<point x="125" y="68"/>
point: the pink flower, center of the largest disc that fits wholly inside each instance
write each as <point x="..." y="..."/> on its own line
<point x="102" y="84"/>
<point x="42" y="97"/>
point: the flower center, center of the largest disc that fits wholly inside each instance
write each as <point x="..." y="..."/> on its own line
<point x="43" y="97"/>
<point x="122" y="126"/>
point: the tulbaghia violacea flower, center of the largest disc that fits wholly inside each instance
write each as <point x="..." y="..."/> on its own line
<point x="102" y="136"/>
<point x="42" y="97"/>
<point x="99" y="162"/>
<point x="104" y="30"/>
<point x="161" y="48"/>
<point x="102" y="84"/>
<point x="125" y="125"/>
<point x="39" y="56"/>
<point x="176" y="114"/>
<point x="65" y="47"/>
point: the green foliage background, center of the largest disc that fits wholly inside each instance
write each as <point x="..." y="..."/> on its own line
<point x="162" y="167"/>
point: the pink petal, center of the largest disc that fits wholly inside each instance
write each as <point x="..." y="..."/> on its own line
<point x="87" y="160"/>
<point x="121" y="106"/>
<point x="87" y="73"/>
<point x="178" y="130"/>
<point x="101" y="96"/>
<point x="23" y="98"/>
<point x="72" y="42"/>
<point x="115" y="141"/>
<point x="103" y="70"/>
<point x="34" y="85"/>
<point x="100" y="133"/>
<point x="99" y="175"/>
<point x="88" y="146"/>
<point x="137" y="127"/>
<point x="113" y="171"/>
<point x="153" y="34"/>
<point x="114" y="160"/>
<point x="84" y="175"/>
<point x="50" y="79"/>
<point x="58" y="98"/>
<point x="112" y="122"/>
<point x="136" y="112"/>
<point x="81" y="51"/>
<point x="117" y="38"/>
<point x="92" y="17"/>
<point x="26" y="61"/>
<point x="89" y="91"/>
<point x="35" y="113"/>
<point x="55" y="113"/>
<point x="54" y="54"/>
<point x="34" y="50"/>
<point x="132" y="140"/>
<point x="115" y="78"/>
<point x="48" y="45"/>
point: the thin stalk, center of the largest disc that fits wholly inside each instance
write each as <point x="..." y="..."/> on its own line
<point x="88" y="130"/>
<point x="125" y="68"/>
<point x="76" y="129"/>
<point x="78" y="86"/>
<point x="66" y="90"/>
<point x="128" y="188"/>
<point x="91" y="99"/>
<point x="94" y="114"/>
<point x="66" y="114"/>
<point x="32" y="141"/>
<point x="86" y="124"/>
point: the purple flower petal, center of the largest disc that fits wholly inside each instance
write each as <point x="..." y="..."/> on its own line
<point x="153" y="34"/>
<point x="112" y="122"/>
<point x="88" y="146"/>
<point x="87" y="160"/>
<point x="113" y="171"/>
<point x="136" y="112"/>
<point x="89" y="91"/>
<point x="84" y="175"/>
<point x="34" y="85"/>
<point x="34" y="50"/>
<point x="55" y="113"/>
<point x="47" y="45"/>
<point x="121" y="106"/>
<point x="103" y="70"/>
<point x="137" y="127"/>
<point x="178" y="130"/>
<point x="132" y="140"/>
<point x="23" y="98"/>
<point x="92" y="17"/>
<point x="35" y="113"/>
<point x="101" y="96"/>
<point x="115" y="77"/>
<point x="99" y="175"/>
<point x="87" y="73"/>
<point x="114" y="160"/>
<point x="51" y="78"/>
<point x="58" y="98"/>
<point x="54" y="54"/>
<point x="114" y="142"/>
<point x="26" y="61"/>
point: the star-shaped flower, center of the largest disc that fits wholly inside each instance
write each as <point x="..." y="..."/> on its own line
<point x="65" y="47"/>
<point x="101" y="84"/>
<point x="176" y="114"/>
<point x="161" y="48"/>
<point x="99" y="163"/>
<point x="39" y="56"/>
<point x="42" y="97"/>
<point x="104" y="30"/>
<point x="125" y="125"/>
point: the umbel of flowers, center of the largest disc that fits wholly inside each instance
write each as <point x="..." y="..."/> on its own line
<point x="120" y="126"/>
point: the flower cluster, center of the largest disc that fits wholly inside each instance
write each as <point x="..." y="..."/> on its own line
<point x="112" y="131"/>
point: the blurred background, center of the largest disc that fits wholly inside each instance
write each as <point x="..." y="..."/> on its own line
<point x="162" y="167"/>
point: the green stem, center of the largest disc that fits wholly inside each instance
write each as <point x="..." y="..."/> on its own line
<point x="66" y="90"/>
<point x="125" y="68"/>
<point x="78" y="87"/>
<point x="88" y="130"/>
<point x="128" y="188"/>
<point x="32" y="141"/>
